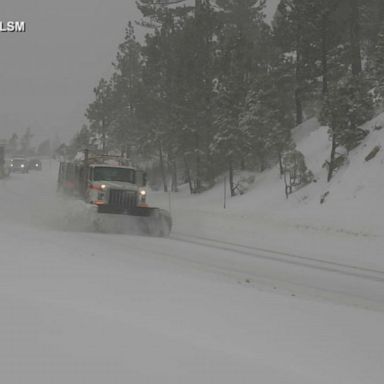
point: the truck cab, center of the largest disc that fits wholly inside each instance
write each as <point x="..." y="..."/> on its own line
<point x="116" y="187"/>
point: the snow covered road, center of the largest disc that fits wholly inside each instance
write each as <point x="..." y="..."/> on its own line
<point x="83" y="307"/>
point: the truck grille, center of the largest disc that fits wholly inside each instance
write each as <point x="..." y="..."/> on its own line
<point x="122" y="199"/>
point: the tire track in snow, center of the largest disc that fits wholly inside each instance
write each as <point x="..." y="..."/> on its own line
<point x="285" y="257"/>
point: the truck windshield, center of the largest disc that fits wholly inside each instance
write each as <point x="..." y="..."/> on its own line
<point x="114" y="174"/>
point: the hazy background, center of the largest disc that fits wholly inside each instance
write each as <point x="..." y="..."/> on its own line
<point x="48" y="73"/>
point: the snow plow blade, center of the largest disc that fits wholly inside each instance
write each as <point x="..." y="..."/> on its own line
<point x="141" y="221"/>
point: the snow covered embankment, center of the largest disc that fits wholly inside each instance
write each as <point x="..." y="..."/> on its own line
<point x="348" y="227"/>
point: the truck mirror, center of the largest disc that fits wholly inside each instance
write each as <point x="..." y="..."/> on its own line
<point x="141" y="178"/>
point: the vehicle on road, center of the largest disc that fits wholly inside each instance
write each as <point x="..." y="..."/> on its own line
<point x="115" y="190"/>
<point x="35" y="165"/>
<point x="19" y="164"/>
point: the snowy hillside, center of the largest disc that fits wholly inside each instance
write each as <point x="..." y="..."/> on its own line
<point x="355" y="192"/>
<point x="347" y="225"/>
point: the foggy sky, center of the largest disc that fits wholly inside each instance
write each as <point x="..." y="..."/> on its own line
<point x="48" y="73"/>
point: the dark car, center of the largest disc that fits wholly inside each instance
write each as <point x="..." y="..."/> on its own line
<point x="35" y="164"/>
<point x="19" y="164"/>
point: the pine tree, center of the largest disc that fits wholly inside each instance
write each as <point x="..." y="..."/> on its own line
<point x="347" y="106"/>
<point x="241" y="56"/>
<point x="178" y="79"/>
<point x="295" y="30"/>
<point x="80" y="141"/>
<point x="377" y="64"/>
<point x="228" y="143"/>
<point x="158" y="110"/>
<point x="269" y="114"/>
<point x="199" y="35"/>
<point x="100" y="111"/>
<point x="214" y="88"/>
<point x="127" y="94"/>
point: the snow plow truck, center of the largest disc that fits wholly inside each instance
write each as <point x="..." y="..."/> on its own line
<point x="116" y="192"/>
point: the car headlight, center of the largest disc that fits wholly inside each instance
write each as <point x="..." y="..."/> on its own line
<point x="103" y="186"/>
<point x="143" y="192"/>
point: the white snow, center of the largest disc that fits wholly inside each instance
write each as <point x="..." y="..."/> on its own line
<point x="82" y="307"/>
<point x="346" y="227"/>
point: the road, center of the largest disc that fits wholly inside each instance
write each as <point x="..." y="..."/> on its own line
<point x="78" y="306"/>
<point x="32" y="201"/>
